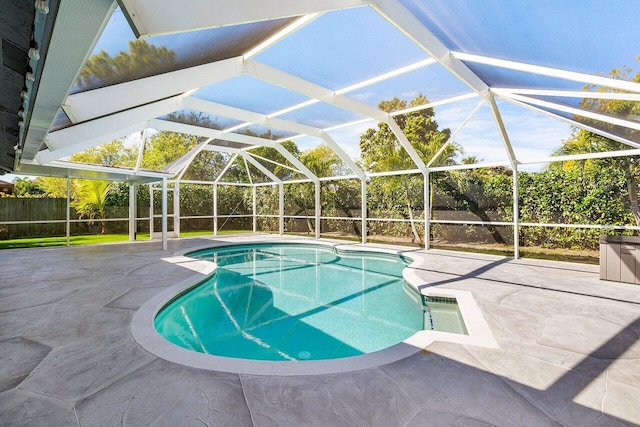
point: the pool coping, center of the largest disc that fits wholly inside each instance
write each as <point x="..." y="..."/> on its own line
<point x="144" y="333"/>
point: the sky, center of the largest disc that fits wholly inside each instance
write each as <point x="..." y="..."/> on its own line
<point x="341" y="48"/>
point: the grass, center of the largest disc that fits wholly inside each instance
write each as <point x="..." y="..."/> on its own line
<point x="92" y="239"/>
<point x="37" y="242"/>
<point x="589" y="257"/>
<point x="534" y="252"/>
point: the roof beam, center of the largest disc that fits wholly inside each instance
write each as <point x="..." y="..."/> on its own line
<point x="572" y="122"/>
<point x="233" y="137"/>
<point x="465" y="166"/>
<point x="406" y="144"/>
<point x="230" y="163"/>
<point x="249" y="116"/>
<point x="349" y="124"/>
<point x="502" y="130"/>
<point x="285" y="32"/>
<point x="87" y="171"/>
<point x="550" y="72"/>
<point x="260" y="167"/>
<point x="577" y="111"/>
<point x="48" y="155"/>
<point x="180" y="165"/>
<point x="143" y="142"/>
<point x="394" y="12"/>
<point x="343" y="156"/>
<point x="296" y="84"/>
<point x="247" y="158"/>
<point x="455" y="133"/>
<point x="635" y="97"/>
<point x="166" y="125"/>
<point x="246" y="167"/>
<point x="297" y="163"/>
<point x="155" y="17"/>
<point x="377" y="79"/>
<point x="273" y="162"/>
<point x="304" y="87"/>
<point x="386" y="76"/>
<point x="584" y="156"/>
<point x="107" y="126"/>
<point x="434" y="104"/>
<point x="83" y="106"/>
<point x="396" y="113"/>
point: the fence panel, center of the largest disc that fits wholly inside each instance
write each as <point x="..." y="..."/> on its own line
<point x="32" y="209"/>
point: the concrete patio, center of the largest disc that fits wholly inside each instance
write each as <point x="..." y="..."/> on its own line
<point x="569" y="351"/>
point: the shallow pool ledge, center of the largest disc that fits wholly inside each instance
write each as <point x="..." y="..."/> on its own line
<point x="478" y="330"/>
<point x="145" y="334"/>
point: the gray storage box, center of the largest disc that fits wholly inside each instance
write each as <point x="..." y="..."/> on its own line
<point x="620" y="258"/>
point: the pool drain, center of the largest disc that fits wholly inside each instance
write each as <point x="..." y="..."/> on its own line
<point x="304" y="355"/>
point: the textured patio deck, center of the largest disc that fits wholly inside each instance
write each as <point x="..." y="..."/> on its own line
<point x="569" y="351"/>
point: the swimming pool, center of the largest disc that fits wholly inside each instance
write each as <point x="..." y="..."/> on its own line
<point x="281" y="302"/>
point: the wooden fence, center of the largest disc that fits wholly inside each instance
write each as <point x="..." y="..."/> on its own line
<point x="51" y="216"/>
<point x="32" y="209"/>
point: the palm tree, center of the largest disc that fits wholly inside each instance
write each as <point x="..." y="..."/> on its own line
<point x="90" y="201"/>
<point x="324" y="162"/>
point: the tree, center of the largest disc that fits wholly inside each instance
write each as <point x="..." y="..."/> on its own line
<point x="324" y="162"/>
<point x="164" y="148"/>
<point x="615" y="107"/>
<point x="27" y="187"/>
<point x="563" y="194"/>
<point x="113" y="153"/>
<point x="381" y="151"/>
<point x="583" y="141"/>
<point x="142" y="60"/>
<point x="91" y="197"/>
<point x="340" y="195"/>
<point x="479" y="191"/>
<point x="53" y="187"/>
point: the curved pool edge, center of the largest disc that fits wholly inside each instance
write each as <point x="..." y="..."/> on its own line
<point x="145" y="334"/>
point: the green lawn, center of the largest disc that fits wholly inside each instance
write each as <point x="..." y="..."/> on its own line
<point x="590" y="257"/>
<point x="34" y="242"/>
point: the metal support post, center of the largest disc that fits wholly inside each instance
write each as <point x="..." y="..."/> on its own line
<point x="176" y="208"/>
<point x="151" y="211"/>
<point x="215" y="209"/>
<point x="363" y="207"/>
<point x="516" y="214"/>
<point x="164" y="214"/>
<point x="318" y="209"/>
<point x="427" y="211"/>
<point x="68" y="223"/>
<point x="254" y="196"/>
<point x="132" y="212"/>
<point x="281" y="209"/>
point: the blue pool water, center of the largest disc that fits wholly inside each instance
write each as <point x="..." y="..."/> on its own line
<point x="294" y="302"/>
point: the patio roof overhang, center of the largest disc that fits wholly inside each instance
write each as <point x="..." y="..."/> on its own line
<point x="63" y="169"/>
